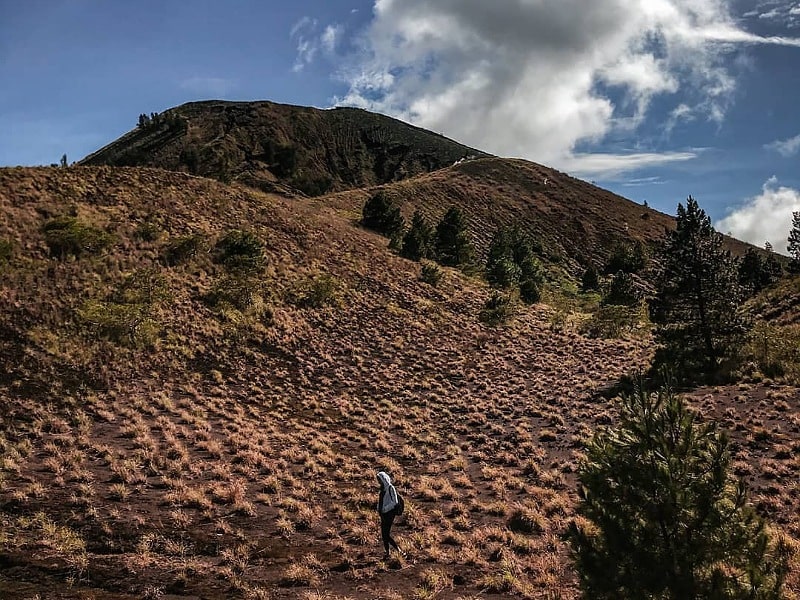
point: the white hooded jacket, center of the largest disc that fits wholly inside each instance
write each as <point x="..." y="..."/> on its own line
<point x="389" y="497"/>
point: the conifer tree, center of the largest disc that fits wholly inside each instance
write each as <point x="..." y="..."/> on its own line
<point x="662" y="517"/>
<point x="590" y="279"/>
<point x="794" y="243"/>
<point x="381" y="215"/>
<point x="696" y="308"/>
<point x="502" y="270"/>
<point x="453" y="246"/>
<point x="418" y="240"/>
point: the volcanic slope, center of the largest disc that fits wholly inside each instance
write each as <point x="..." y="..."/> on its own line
<point x="173" y="423"/>
<point x="574" y="222"/>
<point x="277" y="147"/>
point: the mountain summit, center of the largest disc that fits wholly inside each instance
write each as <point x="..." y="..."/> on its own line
<point x="277" y="147"/>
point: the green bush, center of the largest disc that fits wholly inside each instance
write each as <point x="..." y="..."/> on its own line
<point x="498" y="309"/>
<point x="126" y="318"/>
<point x="621" y="291"/>
<point x="316" y="292"/>
<point x="239" y="250"/>
<point x="67" y="236"/>
<point x="627" y="257"/>
<point x="182" y="248"/>
<point x="774" y="351"/>
<point x="147" y="231"/>
<point x="590" y="280"/>
<point x="613" y="321"/>
<point x="239" y="291"/>
<point x="125" y="324"/>
<point x="430" y="274"/>
<point x="144" y="286"/>
<point x="530" y="291"/>
<point x="6" y="250"/>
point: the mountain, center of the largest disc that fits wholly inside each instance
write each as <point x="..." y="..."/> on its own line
<point x="198" y="382"/>
<point x="276" y="147"/>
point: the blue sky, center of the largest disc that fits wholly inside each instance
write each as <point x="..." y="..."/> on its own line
<point x="654" y="99"/>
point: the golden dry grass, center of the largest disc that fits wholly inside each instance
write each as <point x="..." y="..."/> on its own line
<point x="235" y="457"/>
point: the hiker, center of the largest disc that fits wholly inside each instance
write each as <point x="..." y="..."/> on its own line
<point x="388" y="502"/>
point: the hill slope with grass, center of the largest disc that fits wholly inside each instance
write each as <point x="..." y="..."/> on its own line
<point x="200" y="380"/>
<point x="277" y="147"/>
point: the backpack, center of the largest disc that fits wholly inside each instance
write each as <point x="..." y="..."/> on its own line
<point x="401" y="505"/>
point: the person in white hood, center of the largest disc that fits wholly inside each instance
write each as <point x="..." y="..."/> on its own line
<point x="387" y="509"/>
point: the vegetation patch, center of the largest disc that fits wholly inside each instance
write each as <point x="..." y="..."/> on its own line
<point x="183" y="248"/>
<point x="498" y="309"/>
<point x="68" y="236"/>
<point x="239" y="250"/>
<point x="317" y="291"/>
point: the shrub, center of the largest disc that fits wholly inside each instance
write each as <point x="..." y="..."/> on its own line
<point x="662" y="517"/>
<point x="497" y="309"/>
<point x="312" y="185"/>
<point x="613" y="321"/>
<point x="431" y="274"/>
<point x="239" y="291"/>
<point x="316" y="292"/>
<point x="239" y="250"/>
<point x="125" y="324"/>
<point x="621" y="291"/>
<point x="774" y="350"/>
<point x="530" y="291"/>
<point x="6" y="250"/>
<point x="67" y="236"/>
<point x="590" y="280"/>
<point x="126" y="318"/>
<point x="147" y="231"/>
<point x="144" y="286"/>
<point x="627" y="257"/>
<point x="182" y="248"/>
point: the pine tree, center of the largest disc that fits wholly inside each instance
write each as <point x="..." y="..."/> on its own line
<point x="453" y="246"/>
<point x="696" y="308"/>
<point x="590" y="279"/>
<point x="756" y="273"/>
<point x="502" y="270"/>
<point x="381" y="215"/>
<point x="662" y="517"/>
<point x="621" y="291"/>
<point x="794" y="243"/>
<point x="418" y="240"/>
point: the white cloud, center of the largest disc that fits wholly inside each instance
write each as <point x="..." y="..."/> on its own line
<point x="610" y="165"/>
<point x="217" y="87"/>
<point x="785" y="148"/>
<point x="766" y="217"/>
<point x="538" y="78"/>
<point x="310" y="42"/>
<point x="330" y="37"/>
<point x="304" y="34"/>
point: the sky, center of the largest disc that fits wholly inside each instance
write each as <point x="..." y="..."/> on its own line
<point x="653" y="99"/>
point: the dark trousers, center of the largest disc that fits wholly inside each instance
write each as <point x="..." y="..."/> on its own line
<point x="386" y="527"/>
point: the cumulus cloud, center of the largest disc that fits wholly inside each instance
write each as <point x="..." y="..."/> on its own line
<point x="785" y="148"/>
<point x="766" y="217"/>
<point x="539" y="78"/>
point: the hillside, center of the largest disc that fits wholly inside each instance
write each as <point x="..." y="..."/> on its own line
<point x="575" y="223"/>
<point x="173" y="425"/>
<point x="277" y="147"/>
